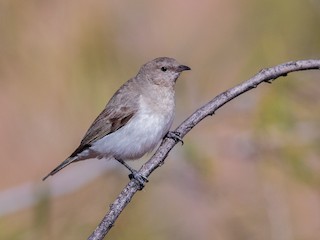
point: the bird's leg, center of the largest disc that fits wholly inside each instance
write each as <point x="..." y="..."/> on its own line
<point x="175" y="136"/>
<point x="134" y="174"/>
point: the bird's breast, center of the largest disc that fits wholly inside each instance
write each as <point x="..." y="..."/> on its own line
<point x="155" y="119"/>
<point x="141" y="134"/>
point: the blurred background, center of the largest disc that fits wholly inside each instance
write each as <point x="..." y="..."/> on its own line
<point x="252" y="171"/>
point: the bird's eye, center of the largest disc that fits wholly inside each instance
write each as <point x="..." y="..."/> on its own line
<point x="163" y="69"/>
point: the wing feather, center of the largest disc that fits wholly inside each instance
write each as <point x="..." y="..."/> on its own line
<point x="119" y="110"/>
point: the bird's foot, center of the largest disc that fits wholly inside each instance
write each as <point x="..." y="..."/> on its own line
<point x="175" y="136"/>
<point x="141" y="180"/>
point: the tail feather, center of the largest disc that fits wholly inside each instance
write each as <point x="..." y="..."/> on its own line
<point x="61" y="166"/>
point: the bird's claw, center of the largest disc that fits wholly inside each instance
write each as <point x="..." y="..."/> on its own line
<point x="141" y="180"/>
<point x="175" y="136"/>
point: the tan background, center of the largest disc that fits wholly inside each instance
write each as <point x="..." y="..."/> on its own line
<point x="249" y="172"/>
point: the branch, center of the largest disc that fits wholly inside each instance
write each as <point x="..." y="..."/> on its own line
<point x="265" y="75"/>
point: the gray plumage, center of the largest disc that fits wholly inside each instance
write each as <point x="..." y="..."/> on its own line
<point x="135" y="119"/>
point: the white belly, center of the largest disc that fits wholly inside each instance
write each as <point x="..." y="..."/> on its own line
<point x="139" y="136"/>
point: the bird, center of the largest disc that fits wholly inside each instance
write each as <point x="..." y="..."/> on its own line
<point x="136" y="118"/>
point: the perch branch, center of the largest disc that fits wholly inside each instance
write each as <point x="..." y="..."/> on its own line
<point x="265" y="75"/>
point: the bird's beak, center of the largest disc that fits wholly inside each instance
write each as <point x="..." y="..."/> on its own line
<point x="182" y="68"/>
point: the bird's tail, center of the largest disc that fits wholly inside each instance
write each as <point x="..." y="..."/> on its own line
<point x="61" y="166"/>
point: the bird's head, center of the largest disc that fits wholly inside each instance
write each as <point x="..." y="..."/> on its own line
<point x="162" y="71"/>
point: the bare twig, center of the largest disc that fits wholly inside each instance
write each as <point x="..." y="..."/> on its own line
<point x="265" y="75"/>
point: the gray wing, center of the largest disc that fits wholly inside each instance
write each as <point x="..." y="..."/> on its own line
<point x="119" y="110"/>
